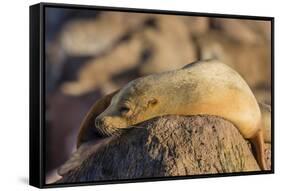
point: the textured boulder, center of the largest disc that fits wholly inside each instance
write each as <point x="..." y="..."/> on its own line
<point x="166" y="146"/>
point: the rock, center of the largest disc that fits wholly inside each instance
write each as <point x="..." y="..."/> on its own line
<point x="99" y="71"/>
<point x="252" y="62"/>
<point x="166" y="146"/>
<point x="94" y="36"/>
<point x="263" y="94"/>
<point x="197" y="25"/>
<point x="245" y="31"/>
<point x="170" y="44"/>
<point x="150" y="49"/>
<point x="63" y="117"/>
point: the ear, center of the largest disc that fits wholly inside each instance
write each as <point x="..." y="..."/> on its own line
<point x="152" y="101"/>
<point x="88" y="126"/>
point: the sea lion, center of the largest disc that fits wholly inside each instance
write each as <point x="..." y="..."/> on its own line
<point x="201" y="88"/>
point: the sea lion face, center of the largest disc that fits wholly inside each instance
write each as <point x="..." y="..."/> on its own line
<point x="128" y="107"/>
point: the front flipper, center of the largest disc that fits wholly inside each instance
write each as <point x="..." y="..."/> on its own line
<point x="87" y="131"/>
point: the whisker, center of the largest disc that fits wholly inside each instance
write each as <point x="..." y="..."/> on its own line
<point x="138" y="127"/>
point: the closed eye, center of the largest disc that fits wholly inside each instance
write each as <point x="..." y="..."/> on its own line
<point x="124" y="110"/>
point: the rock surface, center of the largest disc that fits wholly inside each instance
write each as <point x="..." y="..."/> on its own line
<point x="169" y="146"/>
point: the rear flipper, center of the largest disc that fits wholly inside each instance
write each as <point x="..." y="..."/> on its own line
<point x="266" y="119"/>
<point x="259" y="149"/>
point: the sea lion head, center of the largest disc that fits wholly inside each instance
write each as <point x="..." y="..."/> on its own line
<point x="131" y="105"/>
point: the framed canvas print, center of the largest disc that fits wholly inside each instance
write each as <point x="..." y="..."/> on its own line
<point x="127" y="95"/>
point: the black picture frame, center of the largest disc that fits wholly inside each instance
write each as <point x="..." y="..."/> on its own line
<point x="37" y="156"/>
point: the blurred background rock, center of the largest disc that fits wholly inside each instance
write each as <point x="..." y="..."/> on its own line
<point x="92" y="53"/>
